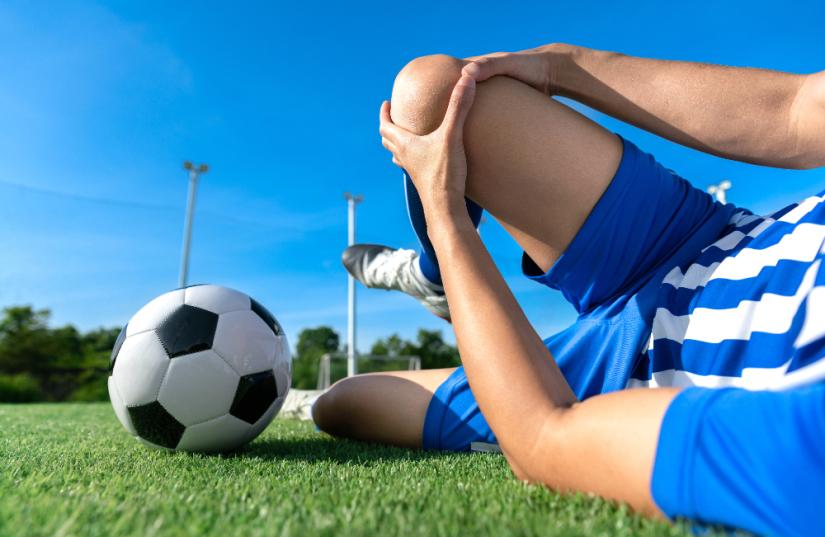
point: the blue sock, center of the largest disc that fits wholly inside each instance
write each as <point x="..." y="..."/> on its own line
<point x="428" y="261"/>
<point x="429" y="268"/>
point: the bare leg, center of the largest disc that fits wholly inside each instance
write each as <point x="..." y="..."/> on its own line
<point x="380" y="407"/>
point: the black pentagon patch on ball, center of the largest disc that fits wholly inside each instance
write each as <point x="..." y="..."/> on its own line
<point x="267" y="317"/>
<point x="254" y="395"/>
<point x="118" y="344"/>
<point x="154" y="424"/>
<point x="188" y="329"/>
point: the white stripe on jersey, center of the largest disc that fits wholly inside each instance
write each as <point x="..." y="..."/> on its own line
<point x="806" y="206"/>
<point x="732" y="239"/>
<point x="753" y="378"/>
<point x="769" y="314"/>
<point x="802" y="244"/>
<point x="772" y="314"/>
<point x="809" y="374"/>
<point x="814" y="326"/>
<point x="695" y="276"/>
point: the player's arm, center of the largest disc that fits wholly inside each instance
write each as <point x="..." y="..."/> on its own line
<point x="753" y="115"/>
<point x="605" y="445"/>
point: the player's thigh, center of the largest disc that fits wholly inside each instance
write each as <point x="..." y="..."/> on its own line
<point x="538" y="166"/>
<point x="387" y="407"/>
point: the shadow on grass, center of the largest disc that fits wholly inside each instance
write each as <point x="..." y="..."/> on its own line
<point x="326" y="449"/>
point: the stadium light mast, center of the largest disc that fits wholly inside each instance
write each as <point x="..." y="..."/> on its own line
<point x="720" y="191"/>
<point x="194" y="174"/>
<point x="352" y="365"/>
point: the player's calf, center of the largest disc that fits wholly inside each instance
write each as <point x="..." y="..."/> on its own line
<point x="387" y="408"/>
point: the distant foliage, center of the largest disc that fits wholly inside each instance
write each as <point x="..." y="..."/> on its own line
<point x="38" y="363"/>
<point x="429" y="345"/>
<point x="20" y="388"/>
<point x="312" y="344"/>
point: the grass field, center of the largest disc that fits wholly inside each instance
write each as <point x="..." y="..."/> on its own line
<point x="70" y="469"/>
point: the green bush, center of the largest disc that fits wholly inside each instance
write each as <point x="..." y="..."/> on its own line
<point x="20" y="388"/>
<point x="95" y="390"/>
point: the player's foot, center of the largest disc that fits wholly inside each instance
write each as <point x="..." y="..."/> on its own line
<point x="382" y="267"/>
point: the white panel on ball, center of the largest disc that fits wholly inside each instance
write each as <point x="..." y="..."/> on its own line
<point x="153" y="313"/>
<point x="120" y="407"/>
<point x="245" y="342"/>
<point x="283" y="349"/>
<point x="216" y="299"/>
<point x="220" y="434"/>
<point x="283" y="376"/>
<point x="198" y="387"/>
<point x="139" y="368"/>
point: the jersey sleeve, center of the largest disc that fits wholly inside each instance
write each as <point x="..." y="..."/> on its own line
<point x="745" y="459"/>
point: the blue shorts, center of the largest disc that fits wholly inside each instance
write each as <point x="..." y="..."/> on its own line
<point x="647" y="221"/>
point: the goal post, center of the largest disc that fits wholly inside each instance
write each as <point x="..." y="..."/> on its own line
<point x="325" y="364"/>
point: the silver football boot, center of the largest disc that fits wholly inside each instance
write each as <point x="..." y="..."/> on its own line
<point x="382" y="267"/>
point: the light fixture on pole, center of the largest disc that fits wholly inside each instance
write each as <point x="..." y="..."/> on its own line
<point x="720" y="191"/>
<point x="352" y="366"/>
<point x="194" y="174"/>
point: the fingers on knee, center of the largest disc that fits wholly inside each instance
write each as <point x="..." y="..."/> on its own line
<point x="422" y="91"/>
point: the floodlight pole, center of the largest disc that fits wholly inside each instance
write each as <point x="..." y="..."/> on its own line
<point x="352" y="365"/>
<point x="194" y="174"/>
<point x="720" y="191"/>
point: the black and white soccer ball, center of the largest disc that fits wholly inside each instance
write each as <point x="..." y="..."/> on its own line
<point x="204" y="368"/>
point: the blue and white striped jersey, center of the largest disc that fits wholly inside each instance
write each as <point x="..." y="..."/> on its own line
<point x="673" y="289"/>
<point x="748" y="312"/>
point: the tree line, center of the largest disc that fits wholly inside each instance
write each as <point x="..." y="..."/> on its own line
<point x="43" y="363"/>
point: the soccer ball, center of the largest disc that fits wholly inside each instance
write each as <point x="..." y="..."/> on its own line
<point x="204" y="368"/>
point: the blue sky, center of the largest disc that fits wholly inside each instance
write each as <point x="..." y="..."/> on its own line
<point x="100" y="102"/>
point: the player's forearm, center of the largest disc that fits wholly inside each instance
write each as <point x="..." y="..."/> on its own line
<point x="754" y="115"/>
<point x="509" y="368"/>
<point x="604" y="445"/>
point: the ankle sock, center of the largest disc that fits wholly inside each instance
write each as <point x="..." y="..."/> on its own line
<point x="429" y="270"/>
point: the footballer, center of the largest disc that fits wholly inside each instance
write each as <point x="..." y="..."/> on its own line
<point x="692" y="383"/>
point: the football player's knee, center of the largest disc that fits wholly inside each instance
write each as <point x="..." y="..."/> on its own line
<point x="422" y="91"/>
<point x="331" y="410"/>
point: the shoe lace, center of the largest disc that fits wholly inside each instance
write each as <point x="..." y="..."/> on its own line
<point x="394" y="268"/>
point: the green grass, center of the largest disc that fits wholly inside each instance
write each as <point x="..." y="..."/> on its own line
<point x="70" y="469"/>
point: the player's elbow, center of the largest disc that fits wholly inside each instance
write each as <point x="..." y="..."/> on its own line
<point x="531" y="459"/>
<point x="517" y="470"/>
